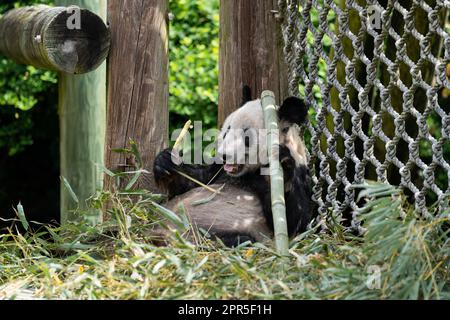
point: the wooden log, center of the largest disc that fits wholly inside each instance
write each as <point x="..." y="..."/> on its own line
<point x="56" y="38"/>
<point x="251" y="52"/>
<point x="137" y="83"/>
<point x="82" y="109"/>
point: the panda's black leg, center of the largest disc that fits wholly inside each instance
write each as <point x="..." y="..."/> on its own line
<point x="167" y="174"/>
<point x="246" y="94"/>
<point x="233" y="240"/>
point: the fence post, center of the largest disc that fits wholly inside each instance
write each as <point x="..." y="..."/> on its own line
<point x="251" y="52"/>
<point x="82" y="109"/>
<point x="137" y="83"/>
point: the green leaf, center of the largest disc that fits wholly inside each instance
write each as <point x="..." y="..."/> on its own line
<point x="133" y="180"/>
<point x="70" y="190"/>
<point x="171" y="216"/>
<point x="106" y="170"/>
<point x="136" y="153"/>
<point x="22" y="217"/>
<point x="121" y="150"/>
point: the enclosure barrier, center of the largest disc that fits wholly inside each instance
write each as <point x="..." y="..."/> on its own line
<point x="82" y="121"/>
<point x="372" y="71"/>
<point x="67" y="39"/>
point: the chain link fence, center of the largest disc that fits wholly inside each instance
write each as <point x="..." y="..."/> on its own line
<point x="376" y="75"/>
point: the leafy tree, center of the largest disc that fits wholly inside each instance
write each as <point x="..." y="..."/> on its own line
<point x="22" y="87"/>
<point x="194" y="54"/>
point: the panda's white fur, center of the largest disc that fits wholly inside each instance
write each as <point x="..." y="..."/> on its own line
<point x="231" y="140"/>
<point x="239" y="212"/>
<point x="233" y="210"/>
<point x="292" y="140"/>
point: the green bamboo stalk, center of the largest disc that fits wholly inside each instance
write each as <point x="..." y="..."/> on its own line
<point x="276" y="173"/>
<point x="82" y="110"/>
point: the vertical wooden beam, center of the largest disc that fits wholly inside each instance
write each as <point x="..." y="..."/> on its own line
<point x="82" y="108"/>
<point x="137" y="82"/>
<point x="251" y="52"/>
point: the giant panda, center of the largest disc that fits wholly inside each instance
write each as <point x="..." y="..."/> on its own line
<point x="242" y="210"/>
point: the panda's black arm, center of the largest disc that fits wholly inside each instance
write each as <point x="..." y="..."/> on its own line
<point x="260" y="185"/>
<point x="167" y="177"/>
<point x="297" y="196"/>
<point x="298" y="201"/>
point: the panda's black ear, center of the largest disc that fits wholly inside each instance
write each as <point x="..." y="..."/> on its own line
<point x="293" y="110"/>
<point x="246" y="94"/>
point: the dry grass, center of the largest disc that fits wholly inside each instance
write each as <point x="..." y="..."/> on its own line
<point x="117" y="261"/>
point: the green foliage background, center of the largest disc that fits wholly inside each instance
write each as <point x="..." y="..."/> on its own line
<point x="194" y="53"/>
<point x="21" y="88"/>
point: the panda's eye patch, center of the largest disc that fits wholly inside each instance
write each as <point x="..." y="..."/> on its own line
<point x="247" y="141"/>
<point x="226" y="132"/>
<point x="285" y="130"/>
<point x="248" y="135"/>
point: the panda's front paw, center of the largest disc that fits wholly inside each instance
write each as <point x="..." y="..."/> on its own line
<point x="286" y="159"/>
<point x="166" y="163"/>
<point x="288" y="164"/>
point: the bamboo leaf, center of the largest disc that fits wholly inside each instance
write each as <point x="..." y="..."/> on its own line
<point x="207" y="199"/>
<point x="136" y="153"/>
<point x="69" y="189"/>
<point x="121" y="150"/>
<point x="171" y="216"/>
<point x="133" y="181"/>
<point x="22" y="217"/>
<point x="106" y="170"/>
<point x="184" y="216"/>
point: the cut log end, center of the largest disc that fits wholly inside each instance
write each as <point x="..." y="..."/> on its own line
<point x="77" y="49"/>
<point x="71" y="40"/>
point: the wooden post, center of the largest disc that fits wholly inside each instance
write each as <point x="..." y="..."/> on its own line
<point x="137" y="82"/>
<point x="251" y="52"/>
<point x="82" y="108"/>
<point x="50" y="38"/>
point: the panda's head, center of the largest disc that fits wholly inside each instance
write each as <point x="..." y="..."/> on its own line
<point x="242" y="142"/>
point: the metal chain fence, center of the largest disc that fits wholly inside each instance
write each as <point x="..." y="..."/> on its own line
<point x="376" y="75"/>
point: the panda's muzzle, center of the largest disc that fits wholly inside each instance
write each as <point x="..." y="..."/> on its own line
<point x="232" y="168"/>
